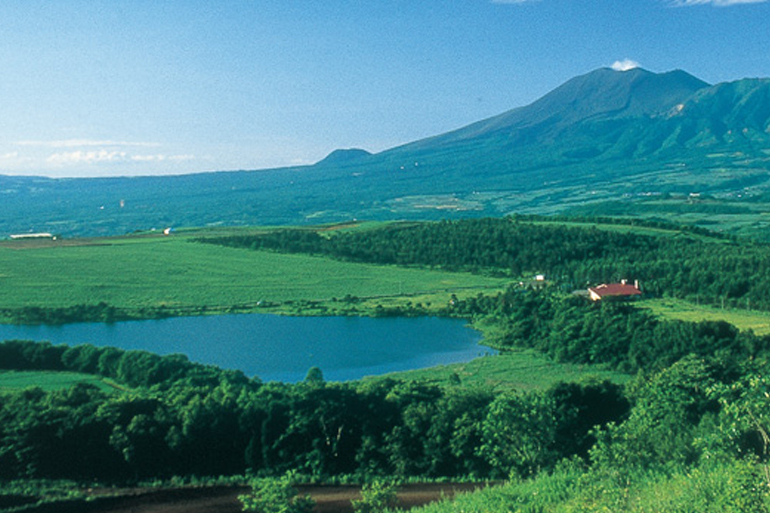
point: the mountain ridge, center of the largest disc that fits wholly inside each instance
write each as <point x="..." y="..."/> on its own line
<point x="577" y="91"/>
<point x="600" y="136"/>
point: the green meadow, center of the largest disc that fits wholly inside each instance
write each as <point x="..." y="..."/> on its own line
<point x="148" y="272"/>
<point x="522" y="371"/>
<point x="51" y="381"/>
<point x="670" y="308"/>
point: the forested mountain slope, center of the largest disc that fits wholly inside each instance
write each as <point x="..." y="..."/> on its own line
<point x="605" y="135"/>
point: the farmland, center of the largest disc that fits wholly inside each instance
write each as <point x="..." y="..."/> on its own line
<point x="670" y="308"/>
<point x="133" y="273"/>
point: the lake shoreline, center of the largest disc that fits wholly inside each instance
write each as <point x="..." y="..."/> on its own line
<point x="280" y="347"/>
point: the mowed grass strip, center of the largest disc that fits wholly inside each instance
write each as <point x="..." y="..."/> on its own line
<point x="150" y="272"/>
<point x="682" y="310"/>
<point x="50" y="381"/>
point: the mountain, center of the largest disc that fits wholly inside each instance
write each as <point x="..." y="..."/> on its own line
<point x="602" y="137"/>
<point x="602" y="113"/>
<point x="345" y="157"/>
<point x="601" y="94"/>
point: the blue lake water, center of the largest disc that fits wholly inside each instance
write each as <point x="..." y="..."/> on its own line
<point x="278" y="348"/>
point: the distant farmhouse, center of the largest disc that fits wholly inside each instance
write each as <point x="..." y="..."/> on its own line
<point x="33" y="236"/>
<point x="620" y="290"/>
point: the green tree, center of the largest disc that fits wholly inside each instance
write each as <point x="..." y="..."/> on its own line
<point x="376" y="497"/>
<point x="314" y="376"/>
<point x="276" y="496"/>
<point x="665" y="424"/>
<point x="518" y="435"/>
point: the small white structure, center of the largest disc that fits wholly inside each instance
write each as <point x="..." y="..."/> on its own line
<point x="32" y="236"/>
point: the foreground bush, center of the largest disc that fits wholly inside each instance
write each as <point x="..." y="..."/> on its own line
<point x="734" y="487"/>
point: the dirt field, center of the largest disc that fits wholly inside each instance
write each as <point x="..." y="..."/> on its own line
<point x="222" y="499"/>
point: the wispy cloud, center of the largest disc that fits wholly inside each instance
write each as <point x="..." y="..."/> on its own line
<point x="161" y="158"/>
<point x="96" y="151"/>
<point x="104" y="156"/>
<point x="716" y="3"/>
<point x="13" y="158"/>
<point x="624" y="65"/>
<point x="86" y="157"/>
<point x="80" y="143"/>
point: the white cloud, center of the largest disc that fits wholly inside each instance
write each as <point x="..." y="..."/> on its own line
<point x="79" y="143"/>
<point x="97" y="151"/>
<point x="161" y="158"/>
<point x="624" y="65"/>
<point x="86" y="157"/>
<point x="147" y="158"/>
<point x="717" y="3"/>
<point x="106" y="156"/>
<point x="93" y="157"/>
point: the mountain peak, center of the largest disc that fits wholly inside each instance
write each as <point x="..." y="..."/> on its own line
<point x="601" y="93"/>
<point x="607" y="92"/>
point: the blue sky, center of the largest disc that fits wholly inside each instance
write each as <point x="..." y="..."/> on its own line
<point x="119" y="87"/>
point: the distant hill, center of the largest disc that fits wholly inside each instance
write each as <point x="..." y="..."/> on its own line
<point x="345" y="157"/>
<point x="604" y="141"/>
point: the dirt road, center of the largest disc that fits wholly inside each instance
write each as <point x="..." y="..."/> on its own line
<point x="221" y="499"/>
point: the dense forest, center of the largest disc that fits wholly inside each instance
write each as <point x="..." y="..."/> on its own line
<point x="615" y="334"/>
<point x="174" y="417"/>
<point x="687" y="263"/>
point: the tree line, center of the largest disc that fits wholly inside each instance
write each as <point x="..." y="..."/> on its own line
<point x="683" y="264"/>
<point x="180" y="418"/>
<point x="570" y="328"/>
<point x="99" y="312"/>
<point x="202" y="421"/>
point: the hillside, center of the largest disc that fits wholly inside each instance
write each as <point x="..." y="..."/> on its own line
<point x="628" y="143"/>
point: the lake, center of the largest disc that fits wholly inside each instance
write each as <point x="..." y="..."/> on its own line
<point x="280" y="348"/>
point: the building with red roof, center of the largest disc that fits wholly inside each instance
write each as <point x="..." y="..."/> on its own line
<point x="620" y="290"/>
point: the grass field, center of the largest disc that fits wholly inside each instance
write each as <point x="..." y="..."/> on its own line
<point x="511" y="371"/>
<point x="136" y="272"/>
<point x="50" y="381"/>
<point x="754" y="320"/>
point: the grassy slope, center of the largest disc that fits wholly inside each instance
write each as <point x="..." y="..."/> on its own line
<point x="172" y="271"/>
<point x="50" y="381"/>
<point x="724" y="487"/>
<point x="670" y="308"/>
<point x="513" y="371"/>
